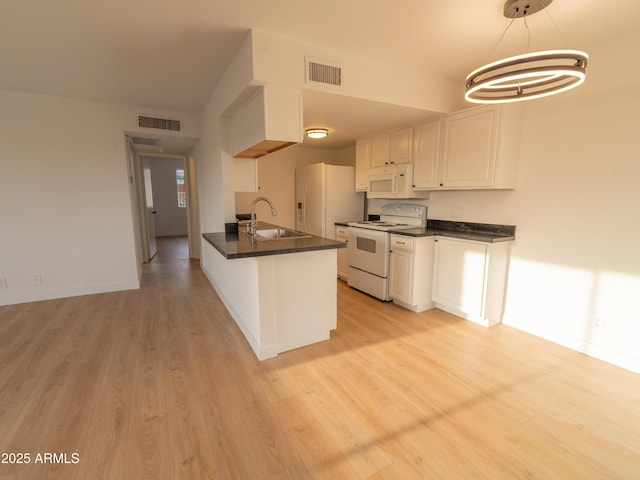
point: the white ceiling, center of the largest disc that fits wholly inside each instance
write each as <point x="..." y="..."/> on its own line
<point x="169" y="53"/>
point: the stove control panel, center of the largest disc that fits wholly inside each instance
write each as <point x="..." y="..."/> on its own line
<point x="404" y="210"/>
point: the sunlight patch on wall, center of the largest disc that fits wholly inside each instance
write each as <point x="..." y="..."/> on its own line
<point x="545" y="296"/>
<point x="596" y="312"/>
<point x="617" y="310"/>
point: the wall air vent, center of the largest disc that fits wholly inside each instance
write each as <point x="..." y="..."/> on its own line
<point x="160" y="123"/>
<point x="320" y="72"/>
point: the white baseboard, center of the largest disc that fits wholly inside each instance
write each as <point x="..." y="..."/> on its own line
<point x="619" y="359"/>
<point x="64" y="292"/>
<point x="454" y="311"/>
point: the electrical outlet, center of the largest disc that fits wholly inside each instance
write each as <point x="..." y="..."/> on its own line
<point x="598" y="324"/>
<point x="3" y="282"/>
<point x="36" y="279"/>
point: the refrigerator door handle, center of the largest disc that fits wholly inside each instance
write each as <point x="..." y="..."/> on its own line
<point x="304" y="207"/>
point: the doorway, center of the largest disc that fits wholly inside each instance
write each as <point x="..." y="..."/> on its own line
<point x="170" y="212"/>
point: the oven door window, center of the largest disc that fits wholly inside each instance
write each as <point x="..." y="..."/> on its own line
<point x="366" y="244"/>
<point x="368" y="250"/>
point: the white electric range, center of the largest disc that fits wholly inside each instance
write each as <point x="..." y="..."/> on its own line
<point x="368" y="247"/>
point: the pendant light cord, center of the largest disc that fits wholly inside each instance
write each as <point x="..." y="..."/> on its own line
<point x="501" y="36"/>
<point x="528" y="32"/>
<point x="564" y="41"/>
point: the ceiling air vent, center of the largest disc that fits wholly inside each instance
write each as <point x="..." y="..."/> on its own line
<point x="160" y="123"/>
<point x="322" y="73"/>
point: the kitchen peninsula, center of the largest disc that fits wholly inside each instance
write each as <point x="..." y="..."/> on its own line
<point x="282" y="292"/>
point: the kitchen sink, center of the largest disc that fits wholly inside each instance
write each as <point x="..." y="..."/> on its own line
<point x="277" y="234"/>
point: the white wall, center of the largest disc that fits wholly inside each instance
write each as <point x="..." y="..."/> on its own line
<point x="214" y="164"/>
<point x="277" y="180"/>
<point x="170" y="219"/>
<point x="575" y="268"/>
<point x="281" y="61"/>
<point x="66" y="211"/>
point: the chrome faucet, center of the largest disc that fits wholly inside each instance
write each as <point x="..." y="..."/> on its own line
<point x="253" y="222"/>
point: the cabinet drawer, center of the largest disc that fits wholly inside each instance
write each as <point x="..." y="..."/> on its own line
<point x="400" y="242"/>
<point x="342" y="232"/>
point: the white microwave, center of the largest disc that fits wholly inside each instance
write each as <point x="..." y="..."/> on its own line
<point x="393" y="181"/>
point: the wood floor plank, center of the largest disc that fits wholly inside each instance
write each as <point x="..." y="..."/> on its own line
<point x="159" y="383"/>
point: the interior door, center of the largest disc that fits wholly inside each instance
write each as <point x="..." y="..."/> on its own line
<point x="151" y="212"/>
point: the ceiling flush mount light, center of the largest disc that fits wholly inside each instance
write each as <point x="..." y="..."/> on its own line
<point x="527" y="76"/>
<point x="316" y="132"/>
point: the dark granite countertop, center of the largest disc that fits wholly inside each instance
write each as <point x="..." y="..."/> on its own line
<point x="480" y="232"/>
<point x="240" y="245"/>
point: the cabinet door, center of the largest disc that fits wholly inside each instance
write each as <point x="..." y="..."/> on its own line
<point x="459" y="275"/>
<point x="363" y="163"/>
<point x="426" y="155"/>
<point x="469" y="148"/>
<point x="401" y="276"/>
<point x="245" y="175"/>
<point x="342" y="235"/>
<point x="380" y="150"/>
<point x="401" y="146"/>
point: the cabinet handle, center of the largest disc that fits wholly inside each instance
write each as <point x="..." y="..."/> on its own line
<point x="442" y="184"/>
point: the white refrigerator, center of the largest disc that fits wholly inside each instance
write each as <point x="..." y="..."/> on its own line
<point x="326" y="194"/>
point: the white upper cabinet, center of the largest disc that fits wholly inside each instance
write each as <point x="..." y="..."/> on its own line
<point x="392" y="148"/>
<point x="401" y="146"/>
<point x="363" y="163"/>
<point x="480" y="148"/>
<point x="268" y="121"/>
<point x="380" y="150"/>
<point x="245" y="175"/>
<point x="426" y="155"/>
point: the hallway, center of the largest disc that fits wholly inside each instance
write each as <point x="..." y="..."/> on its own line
<point x="171" y="250"/>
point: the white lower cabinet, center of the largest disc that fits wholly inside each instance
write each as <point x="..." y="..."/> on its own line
<point x="410" y="277"/>
<point x="469" y="278"/>
<point x="342" y="235"/>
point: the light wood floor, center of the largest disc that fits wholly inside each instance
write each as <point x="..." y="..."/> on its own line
<point x="159" y="383"/>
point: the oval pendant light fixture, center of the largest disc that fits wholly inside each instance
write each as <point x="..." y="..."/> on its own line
<point x="527" y="76"/>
